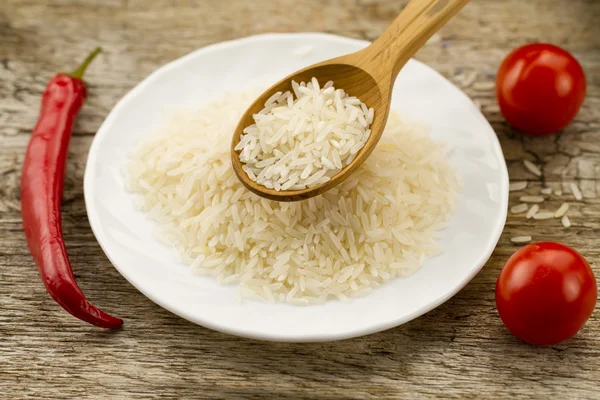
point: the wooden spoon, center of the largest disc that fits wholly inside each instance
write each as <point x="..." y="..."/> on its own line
<point x="368" y="74"/>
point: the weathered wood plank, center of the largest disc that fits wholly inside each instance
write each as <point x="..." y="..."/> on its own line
<point x="459" y="350"/>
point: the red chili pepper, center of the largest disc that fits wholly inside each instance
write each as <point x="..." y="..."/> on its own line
<point x="42" y="189"/>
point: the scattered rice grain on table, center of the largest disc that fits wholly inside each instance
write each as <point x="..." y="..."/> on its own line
<point x="517" y="186"/>
<point x="484" y="86"/>
<point x="531" y="167"/>
<point x="543" y="215"/>
<point x="469" y="79"/>
<point x="380" y="223"/>
<point x="561" y="210"/>
<point x="521" y="208"/>
<point x="566" y="222"/>
<point x="532" y="211"/>
<point x="531" y="199"/>
<point x="492" y="108"/>
<point x="576" y="192"/>
<point x="521" y="239"/>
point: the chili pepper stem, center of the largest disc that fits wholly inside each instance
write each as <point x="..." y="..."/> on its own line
<point x="78" y="73"/>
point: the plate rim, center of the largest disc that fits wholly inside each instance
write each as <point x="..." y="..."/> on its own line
<point x="95" y="223"/>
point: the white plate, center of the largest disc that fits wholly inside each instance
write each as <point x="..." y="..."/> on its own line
<point x="420" y="93"/>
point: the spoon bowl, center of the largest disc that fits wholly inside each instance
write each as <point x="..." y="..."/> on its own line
<point x="353" y="80"/>
<point x="368" y="74"/>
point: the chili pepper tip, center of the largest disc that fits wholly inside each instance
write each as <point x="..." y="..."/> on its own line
<point x="78" y="73"/>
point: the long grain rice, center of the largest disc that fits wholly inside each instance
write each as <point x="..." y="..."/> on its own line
<point x="531" y="167"/>
<point x="323" y="127"/>
<point x="561" y="210"/>
<point x="532" y="211"/>
<point x="521" y="239"/>
<point x="517" y="186"/>
<point x="531" y="199"/>
<point x="484" y="86"/>
<point x="576" y="192"/>
<point x="521" y="208"/>
<point x="543" y="215"/>
<point x="379" y="224"/>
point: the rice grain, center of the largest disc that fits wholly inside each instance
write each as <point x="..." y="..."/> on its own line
<point x="576" y="192"/>
<point x="531" y="199"/>
<point x="532" y="211"/>
<point x="323" y="127"/>
<point x="561" y="210"/>
<point x="543" y="215"/>
<point x="517" y="186"/>
<point x="521" y="208"/>
<point x="521" y="239"/>
<point x="531" y="167"/>
<point x="371" y="228"/>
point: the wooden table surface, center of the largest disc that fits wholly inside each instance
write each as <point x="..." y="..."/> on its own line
<point x="461" y="349"/>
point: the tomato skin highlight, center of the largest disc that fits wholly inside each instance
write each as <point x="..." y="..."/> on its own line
<point x="545" y="293"/>
<point x="540" y="88"/>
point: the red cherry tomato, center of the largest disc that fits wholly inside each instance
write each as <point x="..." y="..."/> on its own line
<point x="545" y="293"/>
<point x="540" y="88"/>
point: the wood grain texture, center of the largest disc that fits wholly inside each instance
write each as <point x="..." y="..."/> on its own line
<point x="459" y="350"/>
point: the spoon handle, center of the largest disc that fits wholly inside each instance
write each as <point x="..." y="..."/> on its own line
<point x="419" y="20"/>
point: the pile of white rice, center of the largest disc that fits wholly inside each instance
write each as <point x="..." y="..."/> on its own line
<point x="303" y="139"/>
<point x="380" y="223"/>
